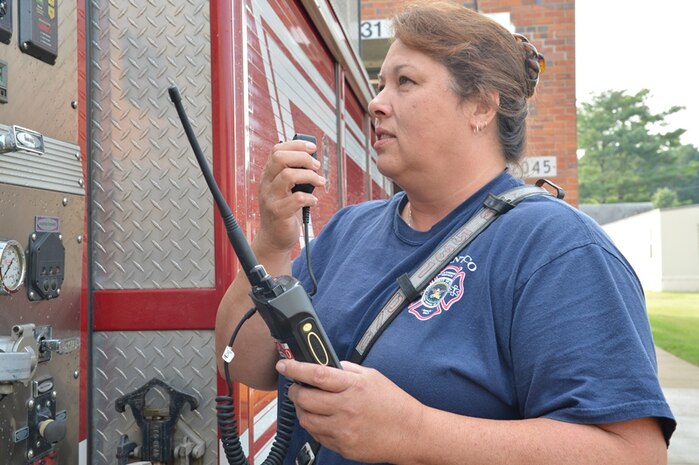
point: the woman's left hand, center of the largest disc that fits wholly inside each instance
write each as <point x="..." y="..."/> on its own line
<point x="357" y="411"/>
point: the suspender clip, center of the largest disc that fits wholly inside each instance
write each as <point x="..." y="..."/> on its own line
<point x="560" y="193"/>
<point x="498" y="204"/>
<point x="306" y="456"/>
<point x="407" y="287"/>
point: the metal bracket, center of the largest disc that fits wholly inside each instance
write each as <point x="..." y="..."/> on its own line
<point x="191" y="447"/>
<point x="157" y="426"/>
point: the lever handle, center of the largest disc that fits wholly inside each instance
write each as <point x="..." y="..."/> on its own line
<point x="60" y="346"/>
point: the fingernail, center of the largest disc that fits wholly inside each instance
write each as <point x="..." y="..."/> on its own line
<point x="322" y="180"/>
<point x="310" y="146"/>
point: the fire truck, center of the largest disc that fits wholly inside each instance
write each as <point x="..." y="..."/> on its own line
<point x="113" y="256"/>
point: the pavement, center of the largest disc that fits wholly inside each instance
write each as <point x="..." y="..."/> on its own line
<point x="680" y="383"/>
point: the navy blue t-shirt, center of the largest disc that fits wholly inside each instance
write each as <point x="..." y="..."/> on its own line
<point x="540" y="316"/>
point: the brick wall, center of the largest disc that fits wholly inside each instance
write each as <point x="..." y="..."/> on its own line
<point x="550" y="25"/>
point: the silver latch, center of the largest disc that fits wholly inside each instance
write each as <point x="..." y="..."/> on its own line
<point x="23" y="139"/>
<point x="60" y="346"/>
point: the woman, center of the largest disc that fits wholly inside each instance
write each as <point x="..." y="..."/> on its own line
<point x="540" y="349"/>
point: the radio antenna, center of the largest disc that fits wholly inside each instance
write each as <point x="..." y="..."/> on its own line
<point x="253" y="270"/>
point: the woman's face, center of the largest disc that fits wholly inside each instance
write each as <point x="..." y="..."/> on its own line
<point x="420" y="121"/>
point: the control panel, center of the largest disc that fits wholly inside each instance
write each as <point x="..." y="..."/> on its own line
<point x="47" y="257"/>
<point x="42" y="228"/>
<point x="42" y="202"/>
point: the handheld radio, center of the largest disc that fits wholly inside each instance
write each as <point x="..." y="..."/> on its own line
<point x="307" y="188"/>
<point x="282" y="302"/>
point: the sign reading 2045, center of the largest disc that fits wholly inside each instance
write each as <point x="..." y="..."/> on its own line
<point x="536" y="167"/>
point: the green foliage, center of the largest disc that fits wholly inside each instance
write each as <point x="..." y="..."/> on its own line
<point x="628" y="157"/>
<point x="664" y="198"/>
<point x="674" y="320"/>
<point x="687" y="186"/>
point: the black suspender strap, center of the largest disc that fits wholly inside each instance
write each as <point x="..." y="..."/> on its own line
<point x="411" y="286"/>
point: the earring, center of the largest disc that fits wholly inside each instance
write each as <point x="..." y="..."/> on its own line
<point x="477" y="129"/>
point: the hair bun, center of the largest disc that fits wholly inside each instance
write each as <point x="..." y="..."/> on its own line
<point x="534" y="63"/>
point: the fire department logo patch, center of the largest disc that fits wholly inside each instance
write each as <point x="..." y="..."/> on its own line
<point x="444" y="290"/>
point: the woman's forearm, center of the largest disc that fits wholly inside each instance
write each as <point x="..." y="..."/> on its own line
<point x="255" y="353"/>
<point x="444" y="438"/>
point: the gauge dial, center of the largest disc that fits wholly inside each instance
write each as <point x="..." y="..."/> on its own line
<point x="13" y="266"/>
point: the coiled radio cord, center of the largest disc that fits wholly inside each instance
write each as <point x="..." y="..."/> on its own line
<point x="228" y="426"/>
<point x="225" y="413"/>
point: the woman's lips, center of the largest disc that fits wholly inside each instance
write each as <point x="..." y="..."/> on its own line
<point x="383" y="138"/>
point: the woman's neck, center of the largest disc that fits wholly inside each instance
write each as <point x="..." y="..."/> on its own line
<point x="431" y="203"/>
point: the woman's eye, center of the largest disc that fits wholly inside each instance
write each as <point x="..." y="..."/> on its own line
<point x="404" y="80"/>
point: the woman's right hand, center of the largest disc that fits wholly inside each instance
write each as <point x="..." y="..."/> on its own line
<point x="289" y="164"/>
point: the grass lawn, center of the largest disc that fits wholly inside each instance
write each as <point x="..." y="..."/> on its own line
<point x="674" y="319"/>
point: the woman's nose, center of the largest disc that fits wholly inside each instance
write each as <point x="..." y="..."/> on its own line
<point x="378" y="106"/>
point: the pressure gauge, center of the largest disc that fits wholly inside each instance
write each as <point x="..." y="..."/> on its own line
<point x="13" y="266"/>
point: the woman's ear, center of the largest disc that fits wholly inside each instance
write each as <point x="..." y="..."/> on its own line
<point x="484" y="111"/>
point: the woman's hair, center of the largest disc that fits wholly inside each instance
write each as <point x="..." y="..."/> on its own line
<point x="481" y="56"/>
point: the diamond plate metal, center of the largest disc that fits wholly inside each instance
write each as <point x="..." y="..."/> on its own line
<point x="125" y="361"/>
<point x="152" y="224"/>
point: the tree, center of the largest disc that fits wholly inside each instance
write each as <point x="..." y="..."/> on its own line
<point x="664" y="198"/>
<point x="627" y="156"/>
<point x="687" y="186"/>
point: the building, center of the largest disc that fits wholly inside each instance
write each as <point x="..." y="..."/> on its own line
<point x="662" y="246"/>
<point x="605" y="213"/>
<point x="550" y="26"/>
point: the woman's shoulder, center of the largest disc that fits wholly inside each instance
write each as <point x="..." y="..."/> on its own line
<point x="554" y="227"/>
<point x="548" y="212"/>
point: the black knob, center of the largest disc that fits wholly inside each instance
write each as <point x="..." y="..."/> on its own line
<point x="52" y="430"/>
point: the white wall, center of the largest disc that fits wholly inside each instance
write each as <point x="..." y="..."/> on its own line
<point x="680" y="242"/>
<point x="638" y="237"/>
<point x="662" y="247"/>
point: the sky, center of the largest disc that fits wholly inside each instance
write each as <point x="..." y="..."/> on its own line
<point x="635" y="44"/>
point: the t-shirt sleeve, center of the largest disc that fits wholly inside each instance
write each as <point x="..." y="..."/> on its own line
<point x="581" y="345"/>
